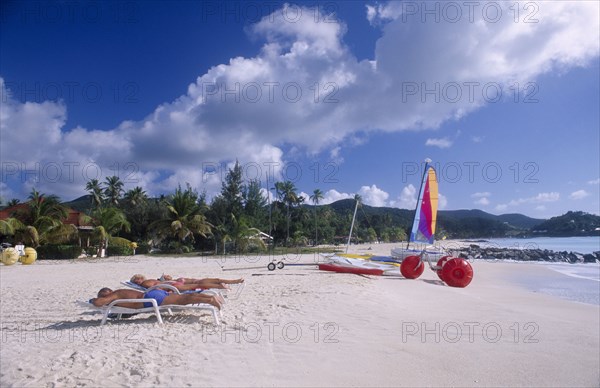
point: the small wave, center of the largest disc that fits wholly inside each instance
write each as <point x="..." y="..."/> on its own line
<point x="588" y="272"/>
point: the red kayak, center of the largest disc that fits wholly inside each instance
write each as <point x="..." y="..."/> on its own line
<point x="348" y="269"/>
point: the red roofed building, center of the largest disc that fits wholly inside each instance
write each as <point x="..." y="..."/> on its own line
<point x="74" y="217"/>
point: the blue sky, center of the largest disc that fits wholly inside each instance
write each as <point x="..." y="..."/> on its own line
<point x="347" y="97"/>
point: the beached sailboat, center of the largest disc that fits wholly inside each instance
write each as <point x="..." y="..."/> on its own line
<point x="425" y="219"/>
<point x="455" y="272"/>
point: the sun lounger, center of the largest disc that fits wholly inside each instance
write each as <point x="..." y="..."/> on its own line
<point x="119" y="311"/>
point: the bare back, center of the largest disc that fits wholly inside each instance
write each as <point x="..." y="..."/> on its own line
<point x="120" y="294"/>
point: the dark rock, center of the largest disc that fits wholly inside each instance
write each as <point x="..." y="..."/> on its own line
<point x="474" y="251"/>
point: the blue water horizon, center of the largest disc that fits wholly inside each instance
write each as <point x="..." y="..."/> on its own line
<point x="583" y="245"/>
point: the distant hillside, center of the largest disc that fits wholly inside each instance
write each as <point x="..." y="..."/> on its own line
<point x="464" y="223"/>
<point x="451" y="223"/>
<point x="398" y="217"/>
<point x="518" y="221"/>
<point x="570" y="224"/>
<point x="81" y="204"/>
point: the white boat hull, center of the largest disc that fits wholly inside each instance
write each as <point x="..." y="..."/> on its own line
<point x="402" y="253"/>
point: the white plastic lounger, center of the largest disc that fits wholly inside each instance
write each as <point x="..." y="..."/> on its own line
<point x="112" y="308"/>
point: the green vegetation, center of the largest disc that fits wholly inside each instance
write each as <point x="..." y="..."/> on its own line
<point x="570" y="224"/>
<point x="241" y="219"/>
<point x="58" y="252"/>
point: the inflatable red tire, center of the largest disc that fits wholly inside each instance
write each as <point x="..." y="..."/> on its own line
<point x="457" y="272"/>
<point x="440" y="264"/>
<point x="412" y="267"/>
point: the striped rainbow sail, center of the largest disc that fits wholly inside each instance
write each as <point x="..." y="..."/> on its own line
<point x="423" y="228"/>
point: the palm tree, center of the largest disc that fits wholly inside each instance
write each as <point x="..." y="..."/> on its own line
<point x="42" y="220"/>
<point x="113" y="220"/>
<point x="13" y="202"/>
<point x="244" y="236"/>
<point x="136" y="196"/>
<point x="184" y="217"/>
<point x="286" y="191"/>
<point x="108" y="221"/>
<point x="113" y="189"/>
<point x="220" y="233"/>
<point x="93" y="187"/>
<point x="315" y="198"/>
<point x="9" y="226"/>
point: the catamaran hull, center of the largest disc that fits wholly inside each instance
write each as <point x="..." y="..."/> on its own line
<point x="365" y="262"/>
<point x="402" y="253"/>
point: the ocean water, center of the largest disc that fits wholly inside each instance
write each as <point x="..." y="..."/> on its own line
<point x="576" y="282"/>
<point x="559" y="244"/>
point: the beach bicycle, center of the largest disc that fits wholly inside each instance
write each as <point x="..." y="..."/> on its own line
<point x="454" y="271"/>
<point x="11" y="255"/>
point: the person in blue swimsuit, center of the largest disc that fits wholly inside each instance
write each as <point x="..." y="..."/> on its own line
<point x="157" y="294"/>
<point x="106" y="295"/>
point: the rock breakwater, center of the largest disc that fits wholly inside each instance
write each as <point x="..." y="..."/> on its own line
<point x="476" y="252"/>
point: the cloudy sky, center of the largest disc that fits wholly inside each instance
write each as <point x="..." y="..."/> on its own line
<point x="346" y="97"/>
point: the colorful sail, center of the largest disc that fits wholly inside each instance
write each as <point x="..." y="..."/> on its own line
<point x="423" y="228"/>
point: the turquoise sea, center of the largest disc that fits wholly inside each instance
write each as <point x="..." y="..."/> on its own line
<point x="570" y="244"/>
<point x="576" y="282"/>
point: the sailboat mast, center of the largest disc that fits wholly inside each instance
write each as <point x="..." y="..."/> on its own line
<point x="419" y="198"/>
<point x="352" y="226"/>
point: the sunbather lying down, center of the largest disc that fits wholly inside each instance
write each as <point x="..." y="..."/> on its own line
<point x="106" y="295"/>
<point x="184" y="284"/>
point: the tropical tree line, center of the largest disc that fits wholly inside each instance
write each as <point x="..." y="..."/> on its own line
<point x="241" y="218"/>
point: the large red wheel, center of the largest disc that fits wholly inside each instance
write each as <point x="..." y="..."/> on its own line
<point x="440" y="265"/>
<point x="457" y="272"/>
<point x="412" y="267"/>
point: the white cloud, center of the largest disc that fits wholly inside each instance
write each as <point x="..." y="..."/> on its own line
<point x="442" y="201"/>
<point x="333" y="195"/>
<point x="481" y="194"/>
<point x="594" y="182"/>
<point x="579" y="194"/>
<point x="407" y="198"/>
<point x="373" y="196"/>
<point x="538" y="199"/>
<point x="441" y="143"/>
<point x="501" y="207"/>
<point x="6" y="194"/>
<point x="306" y="197"/>
<point x="376" y="14"/>
<point x="305" y="88"/>
<point x="544" y="197"/>
<point x="482" y="201"/>
<point x="481" y="198"/>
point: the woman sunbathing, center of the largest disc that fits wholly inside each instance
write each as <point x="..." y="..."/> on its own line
<point x="184" y="284"/>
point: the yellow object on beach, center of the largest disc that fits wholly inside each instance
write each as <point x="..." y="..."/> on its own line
<point x="355" y="255"/>
<point x="30" y="256"/>
<point x="10" y="256"/>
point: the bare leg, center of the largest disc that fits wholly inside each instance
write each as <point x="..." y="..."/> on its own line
<point x="213" y="280"/>
<point x="194" y="298"/>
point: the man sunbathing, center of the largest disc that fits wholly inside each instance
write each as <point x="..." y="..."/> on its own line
<point x="106" y="295"/>
<point x="184" y="284"/>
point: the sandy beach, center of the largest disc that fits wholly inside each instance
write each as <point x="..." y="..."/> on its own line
<point x="296" y="327"/>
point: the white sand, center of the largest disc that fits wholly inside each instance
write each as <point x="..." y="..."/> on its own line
<point x="296" y="327"/>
